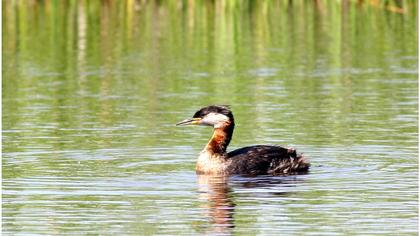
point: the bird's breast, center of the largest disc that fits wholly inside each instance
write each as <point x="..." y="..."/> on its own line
<point x="209" y="163"/>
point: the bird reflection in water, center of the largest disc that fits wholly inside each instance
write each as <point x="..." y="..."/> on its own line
<point x="217" y="194"/>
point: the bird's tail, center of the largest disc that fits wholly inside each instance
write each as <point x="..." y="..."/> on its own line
<point x="295" y="163"/>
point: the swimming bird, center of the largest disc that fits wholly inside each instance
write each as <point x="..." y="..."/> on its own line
<point x="251" y="160"/>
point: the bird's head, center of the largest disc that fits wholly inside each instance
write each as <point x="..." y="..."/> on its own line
<point x="216" y="116"/>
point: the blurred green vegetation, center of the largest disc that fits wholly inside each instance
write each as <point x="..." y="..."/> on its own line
<point x="77" y="53"/>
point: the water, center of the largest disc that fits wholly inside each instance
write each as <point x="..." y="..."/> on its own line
<point x="91" y="93"/>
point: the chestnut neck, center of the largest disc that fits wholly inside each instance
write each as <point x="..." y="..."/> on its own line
<point x="221" y="138"/>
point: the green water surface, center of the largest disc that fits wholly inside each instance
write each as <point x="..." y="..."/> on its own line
<point x="91" y="91"/>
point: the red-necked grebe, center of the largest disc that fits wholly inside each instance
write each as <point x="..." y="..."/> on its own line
<point x="252" y="160"/>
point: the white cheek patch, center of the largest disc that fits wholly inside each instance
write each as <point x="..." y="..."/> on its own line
<point x="214" y="119"/>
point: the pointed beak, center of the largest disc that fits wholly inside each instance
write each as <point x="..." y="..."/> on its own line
<point x="193" y="121"/>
